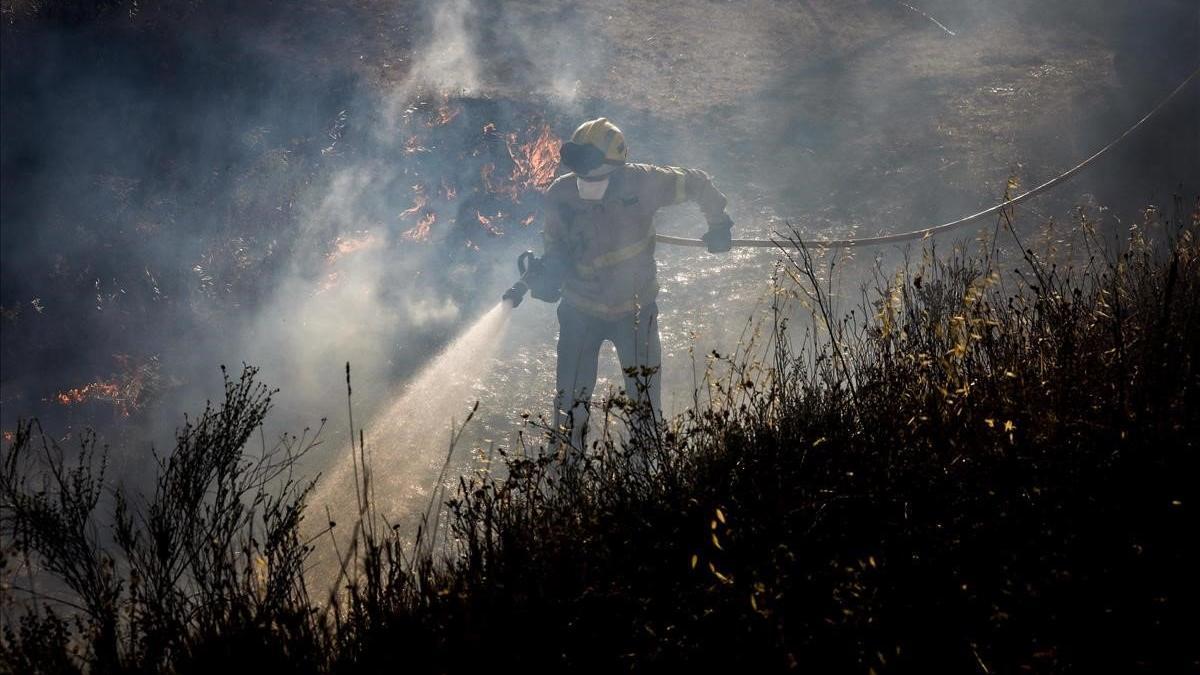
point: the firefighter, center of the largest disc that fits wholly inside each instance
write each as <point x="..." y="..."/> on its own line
<point x="599" y="259"/>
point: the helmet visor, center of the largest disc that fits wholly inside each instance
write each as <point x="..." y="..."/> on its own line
<point x="580" y="157"/>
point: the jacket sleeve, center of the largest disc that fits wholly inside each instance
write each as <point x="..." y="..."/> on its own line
<point x="547" y="284"/>
<point x="675" y="185"/>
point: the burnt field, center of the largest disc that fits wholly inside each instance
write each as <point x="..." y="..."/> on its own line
<point x="963" y="454"/>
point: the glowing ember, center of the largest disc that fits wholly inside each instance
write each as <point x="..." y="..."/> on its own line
<point x="344" y="246"/>
<point x="124" y="391"/>
<point x="420" y="201"/>
<point x="422" y="230"/>
<point x="443" y="114"/>
<point x="485" y="174"/>
<point x="413" y="146"/>
<point x="489" y="225"/>
<point x="95" y="390"/>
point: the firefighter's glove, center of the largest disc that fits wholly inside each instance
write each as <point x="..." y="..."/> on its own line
<point x="540" y="288"/>
<point x="719" y="237"/>
<point x="544" y="279"/>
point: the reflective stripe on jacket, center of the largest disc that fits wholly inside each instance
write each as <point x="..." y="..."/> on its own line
<point x="604" y="249"/>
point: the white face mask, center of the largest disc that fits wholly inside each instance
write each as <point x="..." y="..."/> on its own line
<point x="591" y="190"/>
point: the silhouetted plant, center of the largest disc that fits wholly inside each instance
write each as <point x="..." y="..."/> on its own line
<point x="213" y="554"/>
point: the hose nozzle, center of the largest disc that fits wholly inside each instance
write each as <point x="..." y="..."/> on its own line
<point x="517" y="293"/>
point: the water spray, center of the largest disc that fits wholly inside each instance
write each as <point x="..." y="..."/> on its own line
<point x="407" y="438"/>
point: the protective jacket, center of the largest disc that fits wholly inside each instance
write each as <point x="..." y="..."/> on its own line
<point x="602" y="251"/>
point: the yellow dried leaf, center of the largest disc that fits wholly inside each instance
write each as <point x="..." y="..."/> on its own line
<point x="716" y="542"/>
<point x="695" y="560"/>
<point x="721" y="516"/>
<point x="712" y="568"/>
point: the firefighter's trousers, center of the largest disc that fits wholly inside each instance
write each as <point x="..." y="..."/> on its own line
<point x="580" y="336"/>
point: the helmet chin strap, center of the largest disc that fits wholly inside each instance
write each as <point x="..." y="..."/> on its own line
<point x="597" y="174"/>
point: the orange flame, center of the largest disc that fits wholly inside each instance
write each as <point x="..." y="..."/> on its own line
<point x="488" y="224"/>
<point x="344" y="246"/>
<point x="124" y="391"/>
<point x="422" y="230"/>
<point x="444" y="114"/>
<point x="420" y="200"/>
<point x="93" y="390"/>
<point x="533" y="152"/>
<point x="534" y="163"/>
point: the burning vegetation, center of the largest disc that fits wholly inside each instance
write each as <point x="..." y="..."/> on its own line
<point x="469" y="174"/>
<point x="354" y="242"/>
<point x="500" y="173"/>
<point x="95" y="390"/>
<point x="126" y="391"/>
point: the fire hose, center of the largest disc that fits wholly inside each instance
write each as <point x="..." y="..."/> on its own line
<point x="528" y="262"/>
<point x="953" y="224"/>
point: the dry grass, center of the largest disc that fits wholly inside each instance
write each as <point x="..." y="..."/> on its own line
<point x="968" y="471"/>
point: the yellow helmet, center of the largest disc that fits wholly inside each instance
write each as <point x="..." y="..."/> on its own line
<point x="595" y="143"/>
